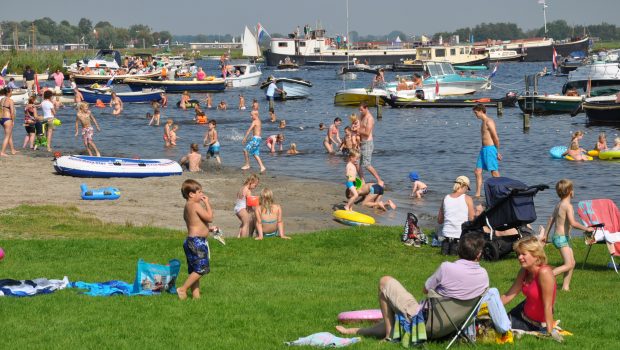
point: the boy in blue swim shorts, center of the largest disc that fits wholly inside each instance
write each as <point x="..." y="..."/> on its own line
<point x="253" y="146"/>
<point x="211" y="140"/>
<point x="563" y="218"/>
<point x="489" y="153"/>
<point x="197" y="215"/>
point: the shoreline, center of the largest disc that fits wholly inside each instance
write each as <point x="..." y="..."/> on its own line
<point x="29" y="178"/>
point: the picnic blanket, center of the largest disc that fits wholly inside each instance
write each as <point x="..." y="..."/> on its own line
<point x="325" y="340"/>
<point x="104" y="289"/>
<point x="26" y="288"/>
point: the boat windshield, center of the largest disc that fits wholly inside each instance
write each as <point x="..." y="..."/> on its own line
<point x="439" y="68"/>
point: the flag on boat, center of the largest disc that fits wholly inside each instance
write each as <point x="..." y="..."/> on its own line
<point x="5" y="68"/>
<point x="494" y="70"/>
<point x="109" y="83"/>
<point x="261" y="30"/>
<point x="555" y="59"/>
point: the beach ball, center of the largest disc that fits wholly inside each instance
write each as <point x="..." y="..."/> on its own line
<point x="1" y="254"/>
<point x="57" y="122"/>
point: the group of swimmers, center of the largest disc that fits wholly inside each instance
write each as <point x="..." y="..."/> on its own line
<point x="576" y="152"/>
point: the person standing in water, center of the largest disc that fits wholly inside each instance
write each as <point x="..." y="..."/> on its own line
<point x="489" y="153"/>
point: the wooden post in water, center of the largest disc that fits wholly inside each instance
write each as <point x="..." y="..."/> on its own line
<point x="500" y="109"/>
<point x="379" y="107"/>
<point x="526" y="121"/>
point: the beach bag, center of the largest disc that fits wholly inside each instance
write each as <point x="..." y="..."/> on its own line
<point x="411" y="230"/>
<point x="157" y="278"/>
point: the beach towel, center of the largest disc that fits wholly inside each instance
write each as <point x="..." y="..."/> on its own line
<point x="411" y="333"/>
<point x="156" y="278"/>
<point x="26" y="288"/>
<point x="604" y="211"/>
<point x="325" y="340"/>
<point x="109" y="288"/>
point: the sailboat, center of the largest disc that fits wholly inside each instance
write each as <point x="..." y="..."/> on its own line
<point x="343" y="73"/>
<point x="246" y="74"/>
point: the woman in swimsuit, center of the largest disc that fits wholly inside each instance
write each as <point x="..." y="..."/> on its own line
<point x="333" y="136"/>
<point x="30" y="121"/>
<point x="269" y="217"/>
<point x="116" y="103"/>
<point x="241" y="210"/>
<point x="8" y="116"/>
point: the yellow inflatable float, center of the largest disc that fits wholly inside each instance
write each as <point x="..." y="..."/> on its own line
<point x="353" y="218"/>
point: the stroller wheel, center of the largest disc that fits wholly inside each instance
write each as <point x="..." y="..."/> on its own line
<point x="490" y="251"/>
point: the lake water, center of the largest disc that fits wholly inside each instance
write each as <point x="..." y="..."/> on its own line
<point x="440" y="144"/>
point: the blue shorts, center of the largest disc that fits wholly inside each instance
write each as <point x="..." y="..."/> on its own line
<point x="349" y="184"/>
<point x="253" y="147"/>
<point x="214" y="149"/>
<point x="560" y="241"/>
<point x="376" y="189"/>
<point x="487" y="159"/>
<point x="197" y="254"/>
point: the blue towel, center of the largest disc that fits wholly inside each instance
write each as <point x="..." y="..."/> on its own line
<point x="109" y="288"/>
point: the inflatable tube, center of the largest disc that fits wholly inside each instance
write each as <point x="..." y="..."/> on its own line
<point x="557" y="151"/>
<point x="609" y="154"/>
<point x="353" y="218"/>
<point x="190" y="104"/>
<point x="373" y="315"/>
<point x="587" y="157"/>
<point x="593" y="153"/>
<point x="105" y="193"/>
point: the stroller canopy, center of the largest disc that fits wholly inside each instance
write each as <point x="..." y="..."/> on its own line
<point x="510" y="203"/>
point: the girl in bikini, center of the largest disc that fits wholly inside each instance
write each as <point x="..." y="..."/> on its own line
<point x="116" y="104"/>
<point x="269" y="217"/>
<point x="333" y="136"/>
<point x="241" y="210"/>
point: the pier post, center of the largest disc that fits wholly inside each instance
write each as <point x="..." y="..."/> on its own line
<point x="526" y="122"/>
<point x="500" y="109"/>
<point x="379" y="107"/>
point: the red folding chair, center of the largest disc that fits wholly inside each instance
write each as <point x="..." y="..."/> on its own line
<point x="604" y="215"/>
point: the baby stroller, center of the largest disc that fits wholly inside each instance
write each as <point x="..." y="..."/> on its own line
<point x="509" y="208"/>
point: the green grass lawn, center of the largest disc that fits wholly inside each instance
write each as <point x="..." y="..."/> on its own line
<point x="258" y="295"/>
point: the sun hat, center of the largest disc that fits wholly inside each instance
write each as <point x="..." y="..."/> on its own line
<point x="462" y="180"/>
<point x="413" y="176"/>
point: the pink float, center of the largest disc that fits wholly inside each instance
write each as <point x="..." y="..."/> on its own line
<point x="373" y="315"/>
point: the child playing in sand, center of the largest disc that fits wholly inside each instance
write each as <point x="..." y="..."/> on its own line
<point x="371" y="194"/>
<point x="197" y="215"/>
<point x="241" y="102"/>
<point x="293" y="150"/>
<point x="193" y="159"/>
<point x="167" y="129"/>
<point x="601" y="144"/>
<point x="84" y="117"/>
<point x="241" y="210"/>
<point x="222" y="106"/>
<point x="173" y="135"/>
<point x="156" y="115"/>
<point x="563" y="218"/>
<point x="274" y="140"/>
<point x="253" y="147"/>
<point x="418" y="188"/>
<point x="268" y="220"/>
<point x="211" y="140"/>
<point x="351" y="175"/>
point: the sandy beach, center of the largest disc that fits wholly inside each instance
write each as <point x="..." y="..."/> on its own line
<point x="29" y="178"/>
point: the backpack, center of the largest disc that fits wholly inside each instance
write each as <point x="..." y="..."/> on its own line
<point x="411" y="232"/>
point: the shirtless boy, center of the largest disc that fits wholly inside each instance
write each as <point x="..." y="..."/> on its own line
<point x="351" y="175"/>
<point x="489" y="153"/>
<point x="563" y="218"/>
<point x="372" y="194"/>
<point x="253" y="147"/>
<point x="193" y="159"/>
<point x="84" y="117"/>
<point x="197" y="215"/>
<point x="212" y="141"/>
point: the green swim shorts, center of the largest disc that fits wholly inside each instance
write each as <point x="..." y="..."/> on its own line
<point x="561" y="241"/>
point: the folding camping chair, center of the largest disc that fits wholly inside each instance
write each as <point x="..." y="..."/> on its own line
<point x="447" y="316"/>
<point x="604" y="214"/>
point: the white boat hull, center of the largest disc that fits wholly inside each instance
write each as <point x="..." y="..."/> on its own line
<point x="250" y="79"/>
<point x="293" y="90"/>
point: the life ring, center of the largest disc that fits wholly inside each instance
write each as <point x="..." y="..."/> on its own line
<point x="557" y="152"/>
<point x="585" y="156"/>
<point x="105" y="193"/>
<point x="372" y="315"/>
<point x="609" y="154"/>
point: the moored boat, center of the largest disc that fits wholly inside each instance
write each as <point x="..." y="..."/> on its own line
<point x="602" y="110"/>
<point x="145" y="96"/>
<point x="600" y="78"/>
<point x="87" y="166"/>
<point x="497" y="53"/>
<point x="355" y="96"/>
<point x="178" y="86"/>
<point x="249" y="75"/>
<point x="87" y="79"/>
<point x="444" y="78"/>
<point x="425" y="98"/>
<point x="549" y="104"/>
<point x="294" y="88"/>
<point x="288" y="65"/>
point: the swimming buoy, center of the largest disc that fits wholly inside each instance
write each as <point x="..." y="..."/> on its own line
<point x="189" y="104"/>
<point x="373" y="315"/>
<point x="558" y="151"/>
<point x="585" y="156"/>
<point x="593" y="153"/>
<point x="353" y="218"/>
<point x="609" y="154"/>
<point x="106" y="193"/>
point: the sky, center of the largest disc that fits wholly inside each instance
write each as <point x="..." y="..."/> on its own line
<point x="414" y="17"/>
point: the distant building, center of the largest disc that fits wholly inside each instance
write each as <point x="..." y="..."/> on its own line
<point x="71" y="47"/>
<point x="215" y="45"/>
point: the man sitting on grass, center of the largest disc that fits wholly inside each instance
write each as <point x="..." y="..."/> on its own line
<point x="463" y="279"/>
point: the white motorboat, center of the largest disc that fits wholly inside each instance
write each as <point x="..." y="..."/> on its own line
<point x="102" y="59"/>
<point x="355" y="96"/>
<point x="603" y="78"/>
<point x="294" y="88"/>
<point x="497" y="53"/>
<point x="20" y="77"/>
<point x="248" y="73"/>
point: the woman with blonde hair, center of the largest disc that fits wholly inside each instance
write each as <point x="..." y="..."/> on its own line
<point x="456" y="208"/>
<point x="536" y="281"/>
<point x="269" y="217"/>
<point x="241" y="207"/>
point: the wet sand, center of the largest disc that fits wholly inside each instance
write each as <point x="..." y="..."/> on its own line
<point x="29" y="178"/>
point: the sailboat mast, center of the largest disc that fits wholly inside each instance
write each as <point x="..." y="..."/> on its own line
<point x="348" y="36"/>
<point x="544" y="5"/>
